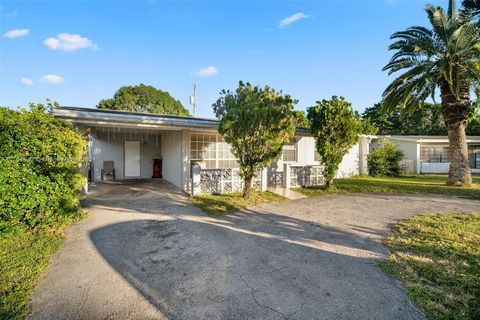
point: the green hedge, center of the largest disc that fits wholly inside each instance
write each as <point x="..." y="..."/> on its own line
<point x="40" y="158"/>
<point x="385" y="160"/>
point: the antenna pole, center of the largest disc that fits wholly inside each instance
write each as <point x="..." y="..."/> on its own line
<point x="194" y="99"/>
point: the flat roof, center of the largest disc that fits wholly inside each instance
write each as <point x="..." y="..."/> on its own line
<point x="101" y="117"/>
<point x="116" y="118"/>
<point x="424" y="138"/>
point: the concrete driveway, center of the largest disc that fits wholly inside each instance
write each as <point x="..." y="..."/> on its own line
<point x="146" y="253"/>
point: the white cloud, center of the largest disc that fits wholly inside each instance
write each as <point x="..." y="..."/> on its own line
<point x="26" y="81"/>
<point x="291" y="19"/>
<point x="51" y="79"/>
<point x="70" y="42"/>
<point x="12" y="14"/>
<point x="15" y="33"/>
<point x="207" y="71"/>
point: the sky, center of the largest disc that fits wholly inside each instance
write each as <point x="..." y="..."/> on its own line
<point x="79" y="52"/>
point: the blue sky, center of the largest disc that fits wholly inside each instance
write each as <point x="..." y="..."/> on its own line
<point x="78" y="52"/>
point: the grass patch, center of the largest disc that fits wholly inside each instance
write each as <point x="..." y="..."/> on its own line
<point x="220" y="204"/>
<point x="437" y="257"/>
<point x="429" y="184"/>
<point x="23" y="259"/>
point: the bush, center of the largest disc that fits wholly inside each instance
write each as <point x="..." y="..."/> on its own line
<point x="40" y="179"/>
<point x="385" y="160"/>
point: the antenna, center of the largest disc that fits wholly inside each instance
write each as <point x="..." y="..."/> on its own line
<point x="193" y="100"/>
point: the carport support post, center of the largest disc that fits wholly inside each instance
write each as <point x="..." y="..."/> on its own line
<point x="196" y="189"/>
<point x="263" y="181"/>
<point x="286" y="176"/>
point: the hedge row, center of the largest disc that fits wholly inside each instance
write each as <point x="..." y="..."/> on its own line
<point x="40" y="158"/>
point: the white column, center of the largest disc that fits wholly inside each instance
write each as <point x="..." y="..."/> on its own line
<point x="286" y="175"/>
<point x="186" y="181"/>
<point x="418" y="163"/>
<point x="195" y="187"/>
<point x="264" y="180"/>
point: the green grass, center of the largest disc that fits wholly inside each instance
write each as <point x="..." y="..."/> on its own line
<point x="437" y="257"/>
<point x="429" y="184"/>
<point x="23" y="259"/>
<point x="217" y="205"/>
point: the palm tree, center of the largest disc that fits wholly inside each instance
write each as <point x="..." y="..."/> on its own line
<point x="445" y="57"/>
<point x="472" y="6"/>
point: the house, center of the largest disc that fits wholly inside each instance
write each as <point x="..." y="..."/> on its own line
<point x="189" y="153"/>
<point x="430" y="154"/>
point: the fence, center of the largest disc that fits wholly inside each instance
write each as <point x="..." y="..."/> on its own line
<point x="296" y="176"/>
<point x="305" y="176"/>
<point x="219" y="181"/>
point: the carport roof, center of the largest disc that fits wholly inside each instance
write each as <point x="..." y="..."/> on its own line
<point x="115" y="118"/>
<point x="98" y="117"/>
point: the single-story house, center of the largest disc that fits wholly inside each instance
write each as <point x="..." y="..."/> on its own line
<point x="128" y="145"/>
<point x="430" y="154"/>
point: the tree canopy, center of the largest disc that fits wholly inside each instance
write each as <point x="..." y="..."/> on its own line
<point x="336" y="128"/>
<point x="145" y="99"/>
<point x="256" y="123"/>
<point x="427" y="120"/>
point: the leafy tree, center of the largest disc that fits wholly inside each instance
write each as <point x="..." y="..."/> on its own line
<point x="385" y="160"/>
<point x="256" y="123"/>
<point x="40" y="178"/>
<point x="336" y="128"/>
<point x="447" y="57"/>
<point x="426" y="120"/>
<point x="301" y="119"/>
<point x="145" y="99"/>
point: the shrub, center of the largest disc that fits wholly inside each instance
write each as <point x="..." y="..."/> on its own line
<point x="40" y="179"/>
<point x="336" y="128"/>
<point x="385" y="160"/>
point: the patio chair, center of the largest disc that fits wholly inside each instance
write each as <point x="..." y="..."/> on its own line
<point x="108" y="170"/>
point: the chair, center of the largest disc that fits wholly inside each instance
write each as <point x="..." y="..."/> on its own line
<point x="108" y="170"/>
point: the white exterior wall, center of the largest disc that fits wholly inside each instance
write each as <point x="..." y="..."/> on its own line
<point x="172" y="157"/>
<point x="426" y="167"/>
<point x="110" y="147"/>
<point x="412" y="152"/>
<point x="306" y="149"/>
<point x="305" y="154"/>
<point x="350" y="165"/>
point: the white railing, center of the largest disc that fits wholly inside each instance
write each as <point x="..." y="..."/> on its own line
<point x="305" y="176"/>
<point x="220" y="181"/>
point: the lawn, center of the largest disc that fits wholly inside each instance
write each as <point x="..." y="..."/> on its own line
<point x="216" y="205"/>
<point x="429" y="184"/>
<point x="23" y="259"/>
<point x="437" y="257"/>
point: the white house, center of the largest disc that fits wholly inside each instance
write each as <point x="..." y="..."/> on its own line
<point x="430" y="154"/>
<point x="146" y="146"/>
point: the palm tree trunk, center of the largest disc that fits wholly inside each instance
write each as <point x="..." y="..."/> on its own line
<point x="455" y="113"/>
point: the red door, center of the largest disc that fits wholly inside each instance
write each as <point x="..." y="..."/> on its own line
<point x="157" y="168"/>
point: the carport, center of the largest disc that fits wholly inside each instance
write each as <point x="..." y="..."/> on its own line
<point x="137" y="145"/>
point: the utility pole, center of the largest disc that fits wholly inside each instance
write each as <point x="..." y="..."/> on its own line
<point x="193" y="100"/>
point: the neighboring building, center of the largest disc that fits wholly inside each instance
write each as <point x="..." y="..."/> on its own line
<point x="142" y="146"/>
<point x="430" y="154"/>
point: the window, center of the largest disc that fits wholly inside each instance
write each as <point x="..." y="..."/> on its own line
<point x="210" y="151"/>
<point x="434" y="154"/>
<point x="289" y="152"/>
<point x="474" y="156"/>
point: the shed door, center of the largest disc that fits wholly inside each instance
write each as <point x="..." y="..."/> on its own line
<point x="132" y="159"/>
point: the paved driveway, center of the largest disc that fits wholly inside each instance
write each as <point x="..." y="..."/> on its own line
<point x="146" y="253"/>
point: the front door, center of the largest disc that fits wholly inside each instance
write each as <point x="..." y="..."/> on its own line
<point x="132" y="159"/>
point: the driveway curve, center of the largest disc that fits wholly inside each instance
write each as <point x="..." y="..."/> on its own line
<point x="146" y="253"/>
